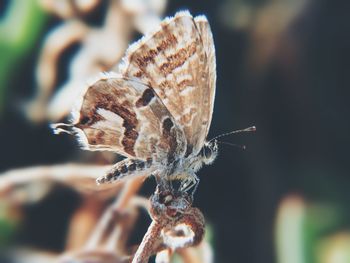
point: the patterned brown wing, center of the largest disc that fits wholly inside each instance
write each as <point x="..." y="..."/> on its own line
<point x="178" y="62"/>
<point x="127" y="117"/>
<point x="209" y="48"/>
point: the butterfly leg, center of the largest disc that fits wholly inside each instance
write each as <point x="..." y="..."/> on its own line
<point x="189" y="183"/>
<point x="186" y="184"/>
<point x="197" y="180"/>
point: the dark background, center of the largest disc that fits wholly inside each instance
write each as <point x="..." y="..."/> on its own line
<point x="297" y="96"/>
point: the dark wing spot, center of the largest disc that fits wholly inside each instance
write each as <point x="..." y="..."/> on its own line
<point x="84" y="120"/>
<point x="167" y="125"/>
<point x="145" y="99"/>
<point x="130" y="136"/>
<point x="166" y="129"/>
<point x="88" y="119"/>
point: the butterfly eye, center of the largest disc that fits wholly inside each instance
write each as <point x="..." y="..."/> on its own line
<point x="207" y="152"/>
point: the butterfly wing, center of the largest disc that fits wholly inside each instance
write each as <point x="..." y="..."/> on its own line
<point x="178" y="62"/>
<point x="127" y="117"/>
<point x="210" y="67"/>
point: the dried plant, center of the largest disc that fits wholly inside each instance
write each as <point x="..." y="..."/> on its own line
<point x="100" y="235"/>
<point x="101" y="49"/>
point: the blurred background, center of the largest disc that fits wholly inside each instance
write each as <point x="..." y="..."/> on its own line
<point x="282" y="65"/>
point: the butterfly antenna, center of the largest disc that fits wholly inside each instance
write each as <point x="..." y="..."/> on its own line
<point x="249" y="129"/>
<point x="242" y="147"/>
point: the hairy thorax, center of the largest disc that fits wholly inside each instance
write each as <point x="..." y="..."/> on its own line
<point x="187" y="167"/>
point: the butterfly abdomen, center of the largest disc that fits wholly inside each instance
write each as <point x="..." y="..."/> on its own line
<point x="122" y="169"/>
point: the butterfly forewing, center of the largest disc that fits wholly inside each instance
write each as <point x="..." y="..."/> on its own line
<point x="178" y="62"/>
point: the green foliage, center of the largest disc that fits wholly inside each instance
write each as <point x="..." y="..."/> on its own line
<point x="19" y="30"/>
<point x="8" y="225"/>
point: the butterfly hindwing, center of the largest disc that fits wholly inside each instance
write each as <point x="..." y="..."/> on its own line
<point x="127" y="117"/>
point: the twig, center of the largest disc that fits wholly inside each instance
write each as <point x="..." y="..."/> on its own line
<point x="129" y="190"/>
<point x="80" y="177"/>
<point x="83" y="221"/>
<point x="150" y="242"/>
<point x="175" y="224"/>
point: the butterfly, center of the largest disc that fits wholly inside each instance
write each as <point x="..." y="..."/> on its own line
<point x="157" y="108"/>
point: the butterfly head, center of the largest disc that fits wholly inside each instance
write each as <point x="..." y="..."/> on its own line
<point x="209" y="151"/>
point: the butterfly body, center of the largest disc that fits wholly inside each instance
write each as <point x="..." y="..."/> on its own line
<point x="157" y="109"/>
<point x="194" y="163"/>
<point x="182" y="169"/>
